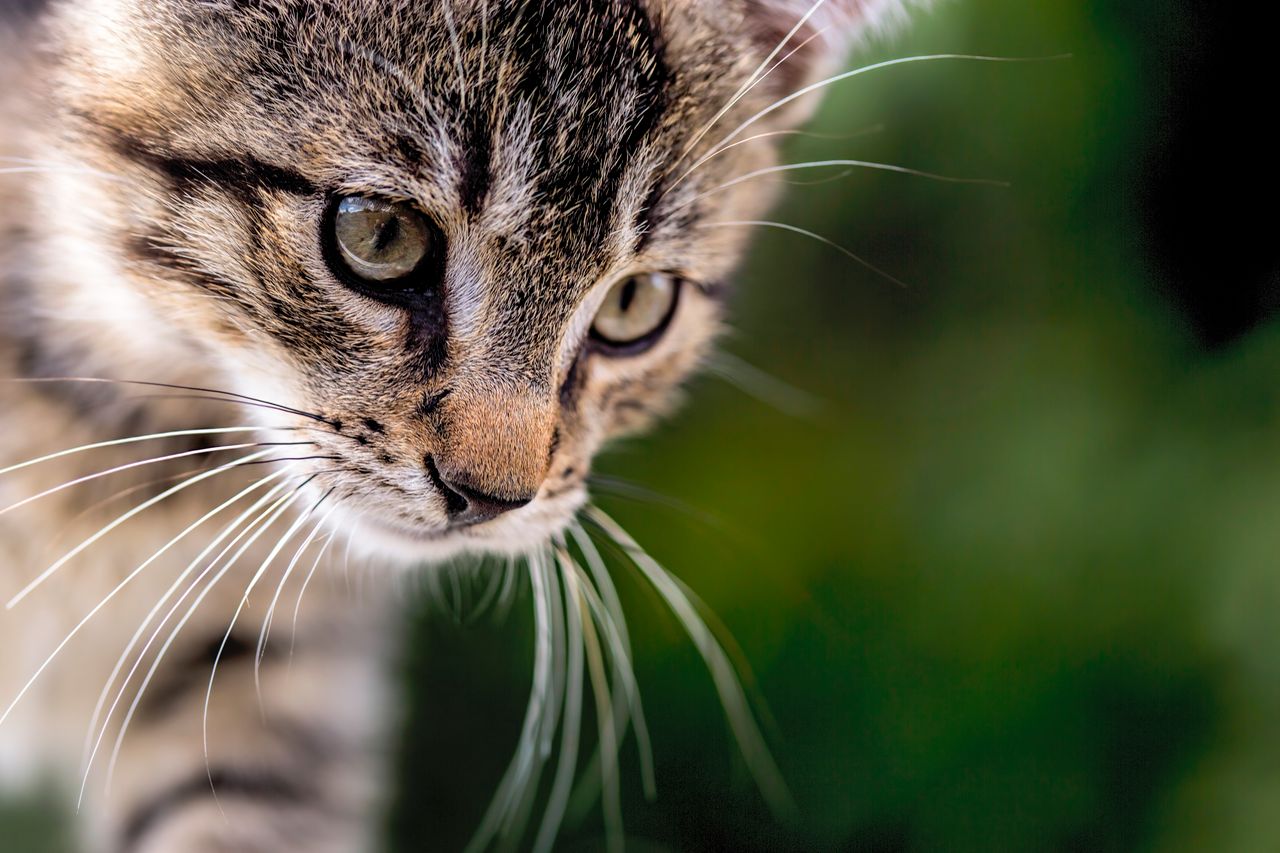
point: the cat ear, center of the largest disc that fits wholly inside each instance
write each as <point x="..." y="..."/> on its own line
<point x="811" y="38"/>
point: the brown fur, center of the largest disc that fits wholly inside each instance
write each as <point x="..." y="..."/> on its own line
<point x="174" y="234"/>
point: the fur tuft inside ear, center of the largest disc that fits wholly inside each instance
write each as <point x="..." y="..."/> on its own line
<point x="822" y="31"/>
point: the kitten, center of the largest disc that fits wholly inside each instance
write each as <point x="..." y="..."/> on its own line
<point x="377" y="276"/>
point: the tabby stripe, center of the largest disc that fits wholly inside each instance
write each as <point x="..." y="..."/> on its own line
<point x="476" y="167"/>
<point x="240" y="174"/>
<point x="190" y="673"/>
<point x="229" y="783"/>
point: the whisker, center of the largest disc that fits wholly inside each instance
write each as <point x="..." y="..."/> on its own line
<point x="737" y="709"/>
<point x="210" y="398"/>
<point x="293" y="634"/>
<point x="29" y="165"/>
<point x="627" y="490"/>
<point x="136" y="439"/>
<point x="755" y="77"/>
<point x="263" y="523"/>
<point x="578" y="585"/>
<point x="713" y="154"/>
<point x="527" y="751"/>
<point x="768" y="389"/>
<point x="56" y="170"/>
<point x="205" y="451"/>
<point x="110" y="596"/>
<point x="94" y="380"/>
<point x="491" y="594"/>
<point x="244" y="599"/>
<point x="562" y="783"/>
<point x="866" y="69"/>
<point x="271" y="609"/>
<point x="91" y="745"/>
<point x="619" y="636"/>
<point x="143" y="507"/>
<point x="526" y="791"/>
<point x="741" y="664"/>
<point x="827" y="164"/>
<point x="510" y="585"/>
<point x="124" y="493"/>
<point x="764" y="223"/>
<point x="717" y="152"/>
<point x="609" y="736"/>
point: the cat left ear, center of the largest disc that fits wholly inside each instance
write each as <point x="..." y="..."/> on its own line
<point x="821" y="32"/>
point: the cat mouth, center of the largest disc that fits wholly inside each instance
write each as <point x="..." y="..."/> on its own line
<point x="510" y="534"/>
<point x="443" y="534"/>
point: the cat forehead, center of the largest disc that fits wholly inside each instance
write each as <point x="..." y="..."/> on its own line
<point x="500" y="105"/>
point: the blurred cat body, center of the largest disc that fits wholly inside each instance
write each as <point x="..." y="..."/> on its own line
<point x="170" y="169"/>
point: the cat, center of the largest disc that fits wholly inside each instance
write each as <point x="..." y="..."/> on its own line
<point x="283" y="280"/>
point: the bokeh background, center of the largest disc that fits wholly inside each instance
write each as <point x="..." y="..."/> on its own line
<point x="1003" y="545"/>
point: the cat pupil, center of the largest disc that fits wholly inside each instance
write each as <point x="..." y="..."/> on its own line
<point x="627" y="296"/>
<point x="388" y="231"/>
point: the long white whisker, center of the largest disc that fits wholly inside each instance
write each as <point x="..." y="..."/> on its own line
<point x="609" y="735"/>
<point x="293" y="634"/>
<point x="262" y="523"/>
<point x="866" y="69"/>
<point x="711" y="155"/>
<point x="244" y="599"/>
<point x="526" y="750"/>
<point x="763" y="386"/>
<point x="752" y="79"/>
<point x="526" y="790"/>
<point x="737" y="709"/>
<point x="271" y="609"/>
<point x="28" y="164"/>
<point x="562" y="783"/>
<point x="91" y="744"/>
<point x="88" y="478"/>
<point x="619" y="635"/>
<point x="196" y="389"/>
<point x="490" y="595"/>
<point x="143" y="507"/>
<point x="764" y="223"/>
<point x="119" y="496"/>
<point x="226" y="531"/>
<point x="826" y="164"/>
<point x="105" y="601"/>
<point x="132" y="440"/>
<point x="56" y="170"/>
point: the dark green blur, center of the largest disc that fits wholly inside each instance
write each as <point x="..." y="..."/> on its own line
<point x="1015" y="583"/>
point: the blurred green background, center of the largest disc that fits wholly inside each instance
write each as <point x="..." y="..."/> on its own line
<point x="1014" y="583"/>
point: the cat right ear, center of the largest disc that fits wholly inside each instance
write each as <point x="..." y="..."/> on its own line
<point x="809" y="39"/>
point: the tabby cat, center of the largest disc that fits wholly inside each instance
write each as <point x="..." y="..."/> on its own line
<point x="287" y="283"/>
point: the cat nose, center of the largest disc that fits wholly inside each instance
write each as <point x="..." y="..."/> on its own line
<point x="466" y="504"/>
<point x="495" y="453"/>
<point x="478" y="506"/>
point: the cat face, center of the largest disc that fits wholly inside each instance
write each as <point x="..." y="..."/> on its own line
<point x="471" y="241"/>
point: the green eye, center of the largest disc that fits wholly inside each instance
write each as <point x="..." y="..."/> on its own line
<point x="636" y="310"/>
<point x="380" y="242"/>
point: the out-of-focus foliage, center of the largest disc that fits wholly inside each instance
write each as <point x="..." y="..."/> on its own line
<point x="1012" y="585"/>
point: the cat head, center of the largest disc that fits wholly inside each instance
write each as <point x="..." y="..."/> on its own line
<point x="473" y="240"/>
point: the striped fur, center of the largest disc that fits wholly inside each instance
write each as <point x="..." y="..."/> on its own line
<point x="168" y="164"/>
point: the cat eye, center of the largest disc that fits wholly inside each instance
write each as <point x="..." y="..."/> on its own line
<point x="636" y="311"/>
<point x="383" y="245"/>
